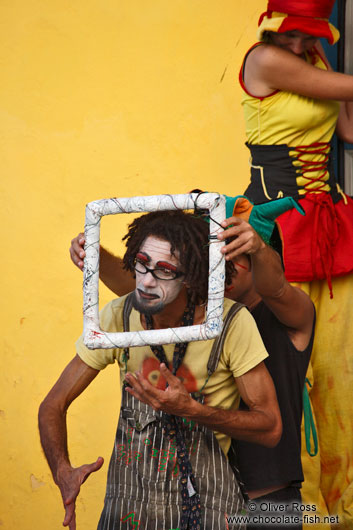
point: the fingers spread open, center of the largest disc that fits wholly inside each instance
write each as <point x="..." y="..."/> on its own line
<point x="91" y="468"/>
<point x="144" y="391"/>
<point x="167" y="374"/>
<point x="70" y="516"/>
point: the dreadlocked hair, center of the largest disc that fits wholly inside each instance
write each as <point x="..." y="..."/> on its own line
<point x="188" y="237"/>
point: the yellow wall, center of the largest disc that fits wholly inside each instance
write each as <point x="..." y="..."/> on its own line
<point x="97" y="99"/>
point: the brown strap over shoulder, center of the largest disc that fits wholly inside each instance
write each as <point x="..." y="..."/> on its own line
<point x="127" y="311"/>
<point x="219" y="341"/>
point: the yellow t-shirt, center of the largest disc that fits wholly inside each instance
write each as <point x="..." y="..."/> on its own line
<point x="243" y="350"/>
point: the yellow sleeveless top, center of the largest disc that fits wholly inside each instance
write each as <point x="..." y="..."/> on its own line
<point x="294" y="120"/>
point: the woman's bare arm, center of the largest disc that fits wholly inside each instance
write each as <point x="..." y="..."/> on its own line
<point x="344" y="127"/>
<point x="270" y="68"/>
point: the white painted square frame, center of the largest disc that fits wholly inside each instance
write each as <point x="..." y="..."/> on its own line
<point x="93" y="336"/>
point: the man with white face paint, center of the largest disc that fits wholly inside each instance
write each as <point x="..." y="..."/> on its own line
<point x="169" y="468"/>
<point x="153" y="292"/>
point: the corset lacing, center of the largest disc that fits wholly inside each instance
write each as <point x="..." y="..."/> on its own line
<point x="309" y="166"/>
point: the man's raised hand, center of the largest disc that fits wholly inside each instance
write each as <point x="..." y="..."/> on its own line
<point x="76" y="250"/>
<point x="243" y="238"/>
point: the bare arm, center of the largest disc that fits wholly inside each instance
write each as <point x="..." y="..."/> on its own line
<point x="53" y="434"/>
<point x="270" y="68"/>
<point x="290" y="304"/>
<point x="113" y="274"/>
<point x="111" y="270"/>
<point x="261" y="424"/>
<point x="344" y="127"/>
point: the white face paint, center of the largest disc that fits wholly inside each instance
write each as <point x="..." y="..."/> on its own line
<point x="153" y="294"/>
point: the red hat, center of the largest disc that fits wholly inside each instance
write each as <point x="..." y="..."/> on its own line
<point x="307" y="16"/>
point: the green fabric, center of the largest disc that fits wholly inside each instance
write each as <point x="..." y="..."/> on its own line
<point x="309" y="425"/>
<point x="262" y="217"/>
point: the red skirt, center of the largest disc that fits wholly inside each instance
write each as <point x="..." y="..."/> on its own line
<point x="318" y="245"/>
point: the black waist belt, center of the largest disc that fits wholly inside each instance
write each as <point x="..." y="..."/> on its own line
<point x="273" y="174"/>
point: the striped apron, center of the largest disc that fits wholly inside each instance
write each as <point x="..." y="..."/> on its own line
<point x="142" y="488"/>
